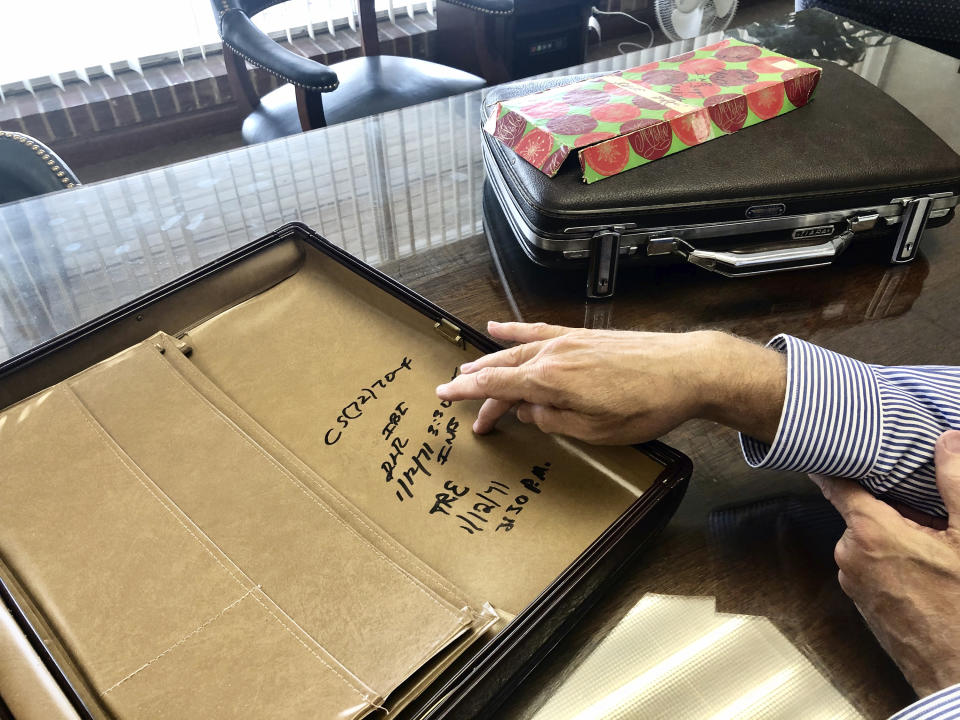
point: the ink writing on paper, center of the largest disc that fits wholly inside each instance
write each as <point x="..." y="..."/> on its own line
<point x="354" y="410"/>
<point x="395" y="417"/>
<point x="404" y="467"/>
<point x="494" y="507"/>
<point x="417" y="464"/>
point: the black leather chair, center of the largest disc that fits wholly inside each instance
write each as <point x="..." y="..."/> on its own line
<point x="28" y="168"/>
<point x="316" y="95"/>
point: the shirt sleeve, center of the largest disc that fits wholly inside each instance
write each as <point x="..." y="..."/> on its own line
<point x="943" y="705"/>
<point x="873" y="423"/>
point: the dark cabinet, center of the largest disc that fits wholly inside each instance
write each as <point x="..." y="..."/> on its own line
<point x="505" y="41"/>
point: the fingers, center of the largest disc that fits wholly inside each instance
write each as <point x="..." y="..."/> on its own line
<point x="525" y="332"/>
<point x="501" y="383"/>
<point x="490" y="412"/>
<point x="511" y="357"/>
<point x="947" y="459"/>
<point x="852" y="501"/>
<point x="554" y="420"/>
<point x="548" y="419"/>
<point x="529" y="335"/>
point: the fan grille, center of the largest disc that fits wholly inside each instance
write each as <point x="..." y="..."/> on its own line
<point x="710" y="21"/>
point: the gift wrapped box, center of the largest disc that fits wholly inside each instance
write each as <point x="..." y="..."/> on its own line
<point x="629" y="118"/>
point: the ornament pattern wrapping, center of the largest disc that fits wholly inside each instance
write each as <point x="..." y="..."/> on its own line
<point x="632" y="117"/>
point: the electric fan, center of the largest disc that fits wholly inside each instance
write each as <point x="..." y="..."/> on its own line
<point x="683" y="19"/>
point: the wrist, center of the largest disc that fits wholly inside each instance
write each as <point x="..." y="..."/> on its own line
<point x="709" y="389"/>
<point x="743" y="385"/>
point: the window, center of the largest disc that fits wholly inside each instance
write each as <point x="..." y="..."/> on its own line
<point x="66" y="39"/>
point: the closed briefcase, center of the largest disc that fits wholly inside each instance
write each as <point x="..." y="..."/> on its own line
<point x="792" y="192"/>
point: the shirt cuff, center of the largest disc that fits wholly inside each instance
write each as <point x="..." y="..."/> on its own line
<point x="831" y="422"/>
<point x="943" y="705"/>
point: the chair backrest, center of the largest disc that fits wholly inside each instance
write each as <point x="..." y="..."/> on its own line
<point x="237" y="74"/>
<point x="28" y="168"/>
<point x="368" y="18"/>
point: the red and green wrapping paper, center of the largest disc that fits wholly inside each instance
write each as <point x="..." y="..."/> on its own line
<point x="629" y="118"/>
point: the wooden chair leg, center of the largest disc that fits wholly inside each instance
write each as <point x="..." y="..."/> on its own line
<point x="369" y="34"/>
<point x="310" y="109"/>
<point x="240" y="84"/>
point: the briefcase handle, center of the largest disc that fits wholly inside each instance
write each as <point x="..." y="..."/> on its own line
<point x="742" y="262"/>
<point x="746" y="261"/>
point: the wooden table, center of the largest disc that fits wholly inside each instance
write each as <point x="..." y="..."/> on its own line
<point x="404" y="192"/>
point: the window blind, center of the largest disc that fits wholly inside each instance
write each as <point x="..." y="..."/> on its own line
<point x="74" y="40"/>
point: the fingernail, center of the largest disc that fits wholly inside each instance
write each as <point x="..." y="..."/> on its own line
<point x="491" y="323"/>
<point x="466" y="367"/>
<point x="441" y="388"/>
<point x="951" y="442"/>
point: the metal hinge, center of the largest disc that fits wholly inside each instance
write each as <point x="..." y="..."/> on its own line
<point x="450" y="331"/>
<point x="663" y="245"/>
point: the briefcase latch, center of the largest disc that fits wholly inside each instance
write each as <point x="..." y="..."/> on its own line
<point x="604" y="257"/>
<point x="913" y="220"/>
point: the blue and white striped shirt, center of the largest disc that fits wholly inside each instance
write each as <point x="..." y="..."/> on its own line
<point x="872" y="423"/>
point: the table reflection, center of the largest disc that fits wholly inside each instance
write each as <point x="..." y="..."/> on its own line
<point x="677" y="657"/>
<point x="385" y="188"/>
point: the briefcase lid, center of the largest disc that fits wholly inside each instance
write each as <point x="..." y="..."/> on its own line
<point x="852" y="145"/>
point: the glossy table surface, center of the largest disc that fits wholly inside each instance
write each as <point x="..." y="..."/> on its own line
<point x="403" y="191"/>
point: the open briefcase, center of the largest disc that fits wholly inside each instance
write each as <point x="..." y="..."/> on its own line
<point x="239" y="496"/>
<point x="788" y="193"/>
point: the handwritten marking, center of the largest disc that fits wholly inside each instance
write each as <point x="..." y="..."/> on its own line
<point x="424" y="454"/>
<point x="398" y="412"/>
<point x="389" y="465"/>
<point x="366" y="395"/>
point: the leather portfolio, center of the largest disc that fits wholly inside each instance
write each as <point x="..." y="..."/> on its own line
<point x="791" y="192"/>
<point x="239" y="496"/>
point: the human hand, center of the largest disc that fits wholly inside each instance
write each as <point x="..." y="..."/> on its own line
<point x="615" y="387"/>
<point x="903" y="576"/>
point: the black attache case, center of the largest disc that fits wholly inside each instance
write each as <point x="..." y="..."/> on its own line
<point x="791" y="192"/>
<point x="239" y="496"/>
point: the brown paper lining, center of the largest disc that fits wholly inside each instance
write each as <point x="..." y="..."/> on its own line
<point x="126" y="579"/>
<point x="295" y="356"/>
<point x="279" y="368"/>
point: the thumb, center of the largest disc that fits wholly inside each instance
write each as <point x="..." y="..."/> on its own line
<point x="947" y="459"/>
<point x="851" y="500"/>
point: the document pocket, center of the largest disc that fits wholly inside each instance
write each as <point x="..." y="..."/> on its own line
<point x="137" y="595"/>
<point x="186" y="527"/>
